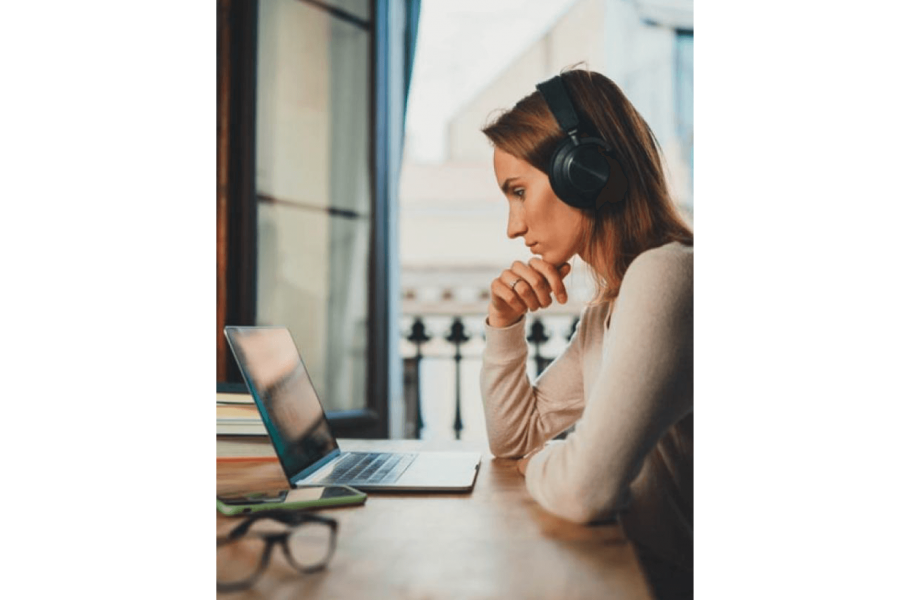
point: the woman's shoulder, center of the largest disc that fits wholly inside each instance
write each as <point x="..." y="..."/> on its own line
<point x="672" y="262"/>
<point x="665" y="271"/>
<point x="674" y="256"/>
<point x="662" y="272"/>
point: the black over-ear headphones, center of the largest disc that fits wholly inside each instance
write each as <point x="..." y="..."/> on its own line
<point x="578" y="168"/>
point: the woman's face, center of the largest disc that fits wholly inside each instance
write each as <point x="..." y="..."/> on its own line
<point x="550" y="227"/>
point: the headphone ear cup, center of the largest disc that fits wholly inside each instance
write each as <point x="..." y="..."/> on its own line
<point x="579" y="171"/>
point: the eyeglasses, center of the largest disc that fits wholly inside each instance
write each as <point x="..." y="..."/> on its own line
<point x="243" y="555"/>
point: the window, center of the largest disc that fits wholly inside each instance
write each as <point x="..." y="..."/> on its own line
<point x="304" y="188"/>
<point x="684" y="97"/>
<point x="313" y="188"/>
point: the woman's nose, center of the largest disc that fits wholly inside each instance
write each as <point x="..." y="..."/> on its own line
<point x="515" y="226"/>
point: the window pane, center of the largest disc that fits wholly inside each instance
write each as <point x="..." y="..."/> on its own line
<point x="684" y="90"/>
<point x="314" y="188"/>
<point x="357" y="8"/>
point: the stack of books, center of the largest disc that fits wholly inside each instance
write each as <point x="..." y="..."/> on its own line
<point x="236" y="415"/>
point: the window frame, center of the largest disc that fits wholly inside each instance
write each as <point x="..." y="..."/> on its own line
<point x="237" y="203"/>
<point x="236" y="212"/>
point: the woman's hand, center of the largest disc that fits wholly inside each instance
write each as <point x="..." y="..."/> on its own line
<point x="522" y="287"/>
<point x="522" y="464"/>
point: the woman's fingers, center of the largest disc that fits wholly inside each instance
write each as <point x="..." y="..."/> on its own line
<point x="533" y="287"/>
<point x="537" y="280"/>
<point x="523" y="288"/>
<point x="529" y="285"/>
<point x="553" y="276"/>
<point x="500" y="290"/>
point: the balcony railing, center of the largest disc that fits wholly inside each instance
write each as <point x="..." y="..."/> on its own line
<point x="448" y="345"/>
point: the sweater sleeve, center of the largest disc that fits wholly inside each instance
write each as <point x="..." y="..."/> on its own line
<point x="521" y="416"/>
<point x="642" y="388"/>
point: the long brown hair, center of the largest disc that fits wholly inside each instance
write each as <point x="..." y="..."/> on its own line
<point x="617" y="232"/>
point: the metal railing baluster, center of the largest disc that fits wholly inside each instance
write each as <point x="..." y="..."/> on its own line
<point x="537" y="337"/>
<point x="417" y="336"/>
<point x="458" y="337"/>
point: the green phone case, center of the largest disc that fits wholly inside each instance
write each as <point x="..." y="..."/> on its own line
<point x="241" y="509"/>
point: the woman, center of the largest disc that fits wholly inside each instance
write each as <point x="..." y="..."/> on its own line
<point x="626" y="378"/>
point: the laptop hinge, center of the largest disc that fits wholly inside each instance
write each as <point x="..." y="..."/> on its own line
<point x="315" y="466"/>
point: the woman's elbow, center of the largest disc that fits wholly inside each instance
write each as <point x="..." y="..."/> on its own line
<point x="506" y="442"/>
<point x="583" y="514"/>
<point x="504" y="448"/>
<point x="585" y="506"/>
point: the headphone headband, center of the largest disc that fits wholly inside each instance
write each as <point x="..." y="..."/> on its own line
<point x="554" y="92"/>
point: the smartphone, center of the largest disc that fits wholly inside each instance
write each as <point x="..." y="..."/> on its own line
<point x="312" y="496"/>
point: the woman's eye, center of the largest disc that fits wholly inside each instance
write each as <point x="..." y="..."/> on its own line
<point x="519" y="192"/>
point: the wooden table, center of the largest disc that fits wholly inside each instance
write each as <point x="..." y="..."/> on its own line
<point x="494" y="542"/>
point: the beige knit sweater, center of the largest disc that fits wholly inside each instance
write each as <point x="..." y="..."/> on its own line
<point x="626" y="381"/>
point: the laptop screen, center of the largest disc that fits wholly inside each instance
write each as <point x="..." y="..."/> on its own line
<point x="284" y="394"/>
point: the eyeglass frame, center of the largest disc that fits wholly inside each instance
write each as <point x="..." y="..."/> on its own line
<point x="291" y="518"/>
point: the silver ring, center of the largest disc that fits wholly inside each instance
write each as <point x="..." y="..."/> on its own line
<point x="512" y="286"/>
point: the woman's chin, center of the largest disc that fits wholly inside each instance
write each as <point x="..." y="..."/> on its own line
<point x="554" y="258"/>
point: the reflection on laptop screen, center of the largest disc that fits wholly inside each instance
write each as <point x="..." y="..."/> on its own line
<point x="287" y="401"/>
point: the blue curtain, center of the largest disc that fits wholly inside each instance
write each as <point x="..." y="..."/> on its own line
<point x="413" y="7"/>
<point x="395" y="43"/>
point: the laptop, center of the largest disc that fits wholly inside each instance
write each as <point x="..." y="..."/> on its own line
<point x="309" y="453"/>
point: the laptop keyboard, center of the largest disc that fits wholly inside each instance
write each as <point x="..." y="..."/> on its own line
<point x="369" y="467"/>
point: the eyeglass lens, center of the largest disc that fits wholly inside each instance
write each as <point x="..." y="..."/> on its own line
<point x="239" y="560"/>
<point x="308" y="546"/>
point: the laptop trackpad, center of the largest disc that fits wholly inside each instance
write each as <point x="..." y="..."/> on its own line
<point x="442" y="470"/>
